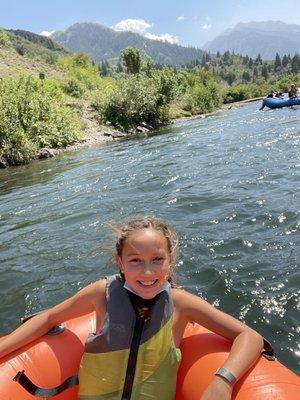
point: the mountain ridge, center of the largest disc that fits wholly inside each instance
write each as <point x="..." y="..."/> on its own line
<point x="252" y="38"/>
<point x="102" y="42"/>
<point x="38" y="39"/>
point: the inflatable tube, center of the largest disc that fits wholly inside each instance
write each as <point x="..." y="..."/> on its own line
<point x="204" y="352"/>
<point x="279" y="103"/>
<point x="50" y="360"/>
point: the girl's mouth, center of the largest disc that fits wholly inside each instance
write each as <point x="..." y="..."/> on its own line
<point x="147" y="283"/>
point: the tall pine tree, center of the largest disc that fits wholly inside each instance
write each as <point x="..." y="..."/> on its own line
<point x="277" y="63"/>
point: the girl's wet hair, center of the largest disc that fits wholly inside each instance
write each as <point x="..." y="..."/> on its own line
<point x="157" y="224"/>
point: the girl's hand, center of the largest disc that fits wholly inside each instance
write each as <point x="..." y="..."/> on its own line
<point x="218" y="389"/>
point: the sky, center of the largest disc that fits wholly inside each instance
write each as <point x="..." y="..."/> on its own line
<point x="188" y="22"/>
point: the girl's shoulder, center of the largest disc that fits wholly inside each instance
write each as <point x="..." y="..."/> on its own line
<point x="191" y="306"/>
<point x="182" y="299"/>
<point x="100" y="284"/>
<point x="181" y="296"/>
<point x="94" y="293"/>
<point x="97" y="289"/>
<point x="90" y="298"/>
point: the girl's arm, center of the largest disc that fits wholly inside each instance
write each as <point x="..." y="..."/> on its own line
<point x="89" y="299"/>
<point x="246" y="347"/>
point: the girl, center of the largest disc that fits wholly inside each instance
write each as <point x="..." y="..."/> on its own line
<point x="141" y="317"/>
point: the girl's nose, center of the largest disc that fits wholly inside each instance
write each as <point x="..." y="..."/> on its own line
<point x="148" y="268"/>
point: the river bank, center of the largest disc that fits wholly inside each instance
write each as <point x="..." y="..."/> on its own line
<point x="96" y="133"/>
<point x="227" y="106"/>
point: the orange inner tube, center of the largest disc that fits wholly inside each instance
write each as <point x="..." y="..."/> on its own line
<point x="52" y="359"/>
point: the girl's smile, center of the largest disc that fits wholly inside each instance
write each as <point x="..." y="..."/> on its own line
<point x="145" y="262"/>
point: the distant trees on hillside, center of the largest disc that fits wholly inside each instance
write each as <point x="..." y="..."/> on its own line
<point x="230" y="67"/>
<point x="234" y="68"/>
<point x="295" y="64"/>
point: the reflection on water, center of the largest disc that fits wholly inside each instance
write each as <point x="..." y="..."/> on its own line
<point x="228" y="183"/>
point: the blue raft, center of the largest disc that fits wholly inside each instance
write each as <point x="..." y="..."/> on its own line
<point x="279" y="103"/>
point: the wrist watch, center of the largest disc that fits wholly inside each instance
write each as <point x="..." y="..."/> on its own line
<point x="226" y="375"/>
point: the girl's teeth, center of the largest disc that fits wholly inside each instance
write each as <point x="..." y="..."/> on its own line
<point x="147" y="283"/>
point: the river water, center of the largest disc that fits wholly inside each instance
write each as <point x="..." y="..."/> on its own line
<point x="228" y="183"/>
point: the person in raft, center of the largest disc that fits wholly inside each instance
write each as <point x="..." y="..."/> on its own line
<point x="292" y="92"/>
<point x="141" y="318"/>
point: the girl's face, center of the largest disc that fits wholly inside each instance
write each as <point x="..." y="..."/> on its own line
<point x="145" y="262"/>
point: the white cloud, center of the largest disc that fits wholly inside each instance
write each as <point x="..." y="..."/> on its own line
<point x="46" y="33"/>
<point x="166" y="37"/>
<point x="181" y="18"/>
<point x="141" y="26"/>
<point x="133" y="25"/>
<point x="206" y="27"/>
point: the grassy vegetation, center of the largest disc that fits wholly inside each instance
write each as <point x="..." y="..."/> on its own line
<point x="34" y="111"/>
<point x="5" y="41"/>
<point x="33" y="115"/>
<point x="35" y="47"/>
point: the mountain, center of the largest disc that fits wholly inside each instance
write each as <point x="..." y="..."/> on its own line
<point x="102" y="43"/>
<point x="35" y="46"/>
<point x="39" y="40"/>
<point x="29" y="53"/>
<point x="253" y="38"/>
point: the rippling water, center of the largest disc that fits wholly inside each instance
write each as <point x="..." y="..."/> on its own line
<point x="228" y="183"/>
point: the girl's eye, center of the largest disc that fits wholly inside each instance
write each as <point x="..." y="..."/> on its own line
<point x="135" y="260"/>
<point x="158" y="259"/>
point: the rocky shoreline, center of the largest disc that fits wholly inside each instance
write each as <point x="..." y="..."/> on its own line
<point x="95" y="134"/>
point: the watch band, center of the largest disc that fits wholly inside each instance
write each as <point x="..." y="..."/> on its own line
<point x="228" y="376"/>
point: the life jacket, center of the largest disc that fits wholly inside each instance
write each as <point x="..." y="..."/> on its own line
<point x="132" y="357"/>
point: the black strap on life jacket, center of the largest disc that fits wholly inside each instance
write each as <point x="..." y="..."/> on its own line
<point x="268" y="351"/>
<point x="34" y="390"/>
<point x="142" y="308"/>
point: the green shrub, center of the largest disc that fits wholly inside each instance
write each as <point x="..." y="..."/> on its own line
<point x="5" y="41"/>
<point x="285" y="82"/>
<point x="50" y="58"/>
<point x="20" y="49"/>
<point x="102" y="95"/>
<point x="203" y="93"/>
<point x="135" y="100"/>
<point x="82" y="74"/>
<point x="238" y="93"/>
<point x="246" y="91"/>
<point x="18" y="149"/>
<point x="198" y="100"/>
<point x="166" y="83"/>
<point x="73" y="87"/>
<point x="33" y="115"/>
